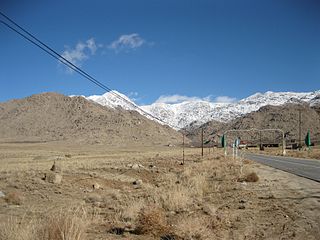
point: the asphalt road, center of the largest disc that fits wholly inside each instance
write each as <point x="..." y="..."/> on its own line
<point x="298" y="166"/>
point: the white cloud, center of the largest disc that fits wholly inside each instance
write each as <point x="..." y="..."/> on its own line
<point x="81" y="52"/>
<point x="134" y="96"/>
<point x="224" y="99"/>
<point x="176" y="98"/>
<point x="130" y="41"/>
<point x="91" y="44"/>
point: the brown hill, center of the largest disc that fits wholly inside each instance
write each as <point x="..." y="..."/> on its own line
<point x="285" y="117"/>
<point x="52" y="116"/>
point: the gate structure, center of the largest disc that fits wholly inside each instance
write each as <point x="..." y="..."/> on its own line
<point x="254" y="130"/>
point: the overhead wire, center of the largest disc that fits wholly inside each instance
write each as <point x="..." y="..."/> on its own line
<point x="37" y="42"/>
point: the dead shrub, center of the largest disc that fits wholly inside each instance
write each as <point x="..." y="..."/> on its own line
<point x="14" y="198"/>
<point x="66" y="225"/>
<point x="152" y="220"/>
<point x="252" y="177"/>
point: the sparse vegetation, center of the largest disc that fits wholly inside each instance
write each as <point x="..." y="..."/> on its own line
<point x="14" y="198"/>
<point x="18" y="229"/>
<point x="193" y="227"/>
<point x="66" y="224"/>
<point x="199" y="200"/>
<point x="59" y="225"/>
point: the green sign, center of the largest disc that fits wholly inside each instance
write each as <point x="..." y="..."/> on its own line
<point x="223" y="141"/>
<point x="307" y="140"/>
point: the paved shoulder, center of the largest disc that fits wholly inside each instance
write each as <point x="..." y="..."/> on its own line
<point x="301" y="167"/>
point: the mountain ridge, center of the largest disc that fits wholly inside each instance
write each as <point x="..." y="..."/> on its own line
<point x="198" y="112"/>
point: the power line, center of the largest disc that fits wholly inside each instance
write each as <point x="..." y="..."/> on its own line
<point x="37" y="42"/>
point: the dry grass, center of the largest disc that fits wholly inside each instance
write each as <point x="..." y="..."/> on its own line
<point x="66" y="225"/>
<point x="132" y="210"/>
<point x="175" y="198"/>
<point x="61" y="225"/>
<point x="192" y="227"/>
<point x="198" y="185"/>
<point x="14" y="198"/>
<point x="193" y="201"/>
<point x="15" y="229"/>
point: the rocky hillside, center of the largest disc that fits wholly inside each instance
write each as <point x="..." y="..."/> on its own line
<point x="285" y="117"/>
<point x="198" y="112"/>
<point x="52" y="116"/>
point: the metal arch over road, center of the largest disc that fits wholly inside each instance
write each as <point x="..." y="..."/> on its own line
<point x="302" y="167"/>
<point x="257" y="130"/>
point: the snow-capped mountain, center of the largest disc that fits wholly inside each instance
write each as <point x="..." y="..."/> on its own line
<point x="114" y="99"/>
<point x="198" y="112"/>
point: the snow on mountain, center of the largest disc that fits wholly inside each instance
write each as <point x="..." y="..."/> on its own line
<point x="200" y="111"/>
<point x="112" y="99"/>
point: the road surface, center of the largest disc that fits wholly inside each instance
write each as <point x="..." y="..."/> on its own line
<point x="298" y="166"/>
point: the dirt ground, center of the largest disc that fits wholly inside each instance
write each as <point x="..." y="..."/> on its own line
<point x="145" y="193"/>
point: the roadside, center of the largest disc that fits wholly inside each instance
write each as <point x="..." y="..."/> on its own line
<point x="313" y="153"/>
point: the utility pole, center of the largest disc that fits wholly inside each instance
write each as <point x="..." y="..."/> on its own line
<point x="182" y="148"/>
<point x="202" y="142"/>
<point x="300" y="145"/>
<point x="260" y="140"/>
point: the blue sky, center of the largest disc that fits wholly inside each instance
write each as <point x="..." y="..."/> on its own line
<point x="175" y="49"/>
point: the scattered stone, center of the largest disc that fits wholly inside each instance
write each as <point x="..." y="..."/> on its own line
<point x="96" y="186"/>
<point x="242" y="207"/>
<point x="137" y="183"/>
<point x="135" y="166"/>
<point x="117" y="231"/>
<point x="152" y="166"/>
<point x="92" y="174"/>
<point x="54" y="178"/>
<point x="55" y="167"/>
<point x="242" y="201"/>
<point x="171" y="213"/>
<point x="2" y="194"/>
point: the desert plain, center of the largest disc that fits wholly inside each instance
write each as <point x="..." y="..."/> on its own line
<point x="62" y="190"/>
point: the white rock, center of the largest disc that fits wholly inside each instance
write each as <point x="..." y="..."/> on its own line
<point x="2" y="194"/>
